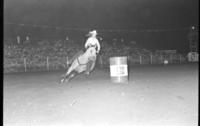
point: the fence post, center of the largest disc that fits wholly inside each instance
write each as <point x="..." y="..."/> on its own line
<point x="171" y="59"/>
<point x="128" y="59"/>
<point x="161" y="59"/>
<point x="101" y="62"/>
<point x="47" y="63"/>
<point x="140" y="59"/>
<point x="151" y="59"/>
<point x="18" y="39"/>
<point x="25" y="65"/>
<point x="67" y="61"/>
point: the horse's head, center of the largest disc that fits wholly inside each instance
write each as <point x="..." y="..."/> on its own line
<point x="91" y="52"/>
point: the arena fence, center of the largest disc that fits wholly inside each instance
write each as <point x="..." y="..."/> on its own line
<point x="58" y="63"/>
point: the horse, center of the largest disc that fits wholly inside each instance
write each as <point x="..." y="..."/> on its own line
<point x="79" y="64"/>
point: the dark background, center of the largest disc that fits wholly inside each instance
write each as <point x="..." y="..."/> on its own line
<point x="138" y="15"/>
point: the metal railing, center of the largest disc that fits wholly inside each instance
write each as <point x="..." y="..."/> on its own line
<point x="56" y="63"/>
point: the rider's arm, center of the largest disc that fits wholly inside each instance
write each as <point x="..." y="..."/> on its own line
<point x="98" y="45"/>
<point x="87" y="42"/>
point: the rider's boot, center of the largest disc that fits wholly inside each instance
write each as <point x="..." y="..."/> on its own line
<point x="87" y="72"/>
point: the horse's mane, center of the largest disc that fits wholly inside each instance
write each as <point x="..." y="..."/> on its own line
<point x="90" y="49"/>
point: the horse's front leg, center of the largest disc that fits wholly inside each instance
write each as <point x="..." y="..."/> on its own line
<point x="69" y="74"/>
<point x="88" y="67"/>
<point x="66" y="75"/>
<point x="92" y="66"/>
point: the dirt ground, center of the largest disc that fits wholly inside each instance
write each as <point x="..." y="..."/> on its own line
<point x="154" y="96"/>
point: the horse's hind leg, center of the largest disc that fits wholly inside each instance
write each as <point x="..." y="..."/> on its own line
<point x="68" y="74"/>
<point x="65" y="76"/>
<point x="71" y="75"/>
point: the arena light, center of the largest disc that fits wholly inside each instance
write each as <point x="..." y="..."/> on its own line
<point x="193" y="27"/>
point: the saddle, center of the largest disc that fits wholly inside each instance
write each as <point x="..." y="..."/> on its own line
<point x="92" y="46"/>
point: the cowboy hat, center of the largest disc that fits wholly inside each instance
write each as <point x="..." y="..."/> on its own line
<point x="93" y="32"/>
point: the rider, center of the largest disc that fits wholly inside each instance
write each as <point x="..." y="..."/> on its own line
<point x="92" y="41"/>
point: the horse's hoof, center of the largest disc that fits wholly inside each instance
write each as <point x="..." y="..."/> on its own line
<point x="67" y="80"/>
<point x="62" y="81"/>
<point x="87" y="73"/>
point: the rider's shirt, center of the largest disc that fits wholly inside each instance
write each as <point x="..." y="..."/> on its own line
<point x="92" y="41"/>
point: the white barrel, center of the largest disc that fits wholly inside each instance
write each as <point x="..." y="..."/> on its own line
<point x="119" y="69"/>
<point x="193" y="57"/>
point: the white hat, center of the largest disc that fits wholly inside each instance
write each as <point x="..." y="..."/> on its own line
<point x="93" y="32"/>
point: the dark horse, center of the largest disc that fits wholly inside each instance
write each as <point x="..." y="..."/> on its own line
<point x="79" y="65"/>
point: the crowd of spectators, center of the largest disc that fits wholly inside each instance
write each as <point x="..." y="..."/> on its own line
<point x="36" y="53"/>
<point x="57" y="51"/>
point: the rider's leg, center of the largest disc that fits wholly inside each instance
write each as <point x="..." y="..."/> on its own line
<point x="88" y="67"/>
<point x="92" y="66"/>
